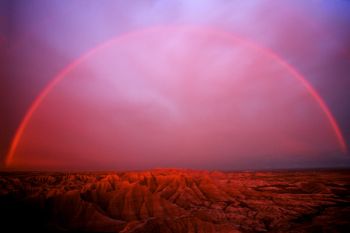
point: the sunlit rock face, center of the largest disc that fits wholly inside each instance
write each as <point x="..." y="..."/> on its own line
<point x="176" y="97"/>
<point x="180" y="201"/>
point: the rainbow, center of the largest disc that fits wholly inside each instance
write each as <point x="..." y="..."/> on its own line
<point x="60" y="76"/>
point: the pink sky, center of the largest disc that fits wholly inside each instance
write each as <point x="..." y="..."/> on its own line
<point x="174" y="97"/>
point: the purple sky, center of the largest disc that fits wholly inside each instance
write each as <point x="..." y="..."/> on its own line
<point x="38" y="39"/>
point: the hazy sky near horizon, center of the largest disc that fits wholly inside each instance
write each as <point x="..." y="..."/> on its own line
<point x="180" y="90"/>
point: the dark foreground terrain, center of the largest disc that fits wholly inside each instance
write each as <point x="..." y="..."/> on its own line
<point x="176" y="201"/>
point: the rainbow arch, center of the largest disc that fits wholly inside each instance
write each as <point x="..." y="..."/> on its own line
<point x="60" y="76"/>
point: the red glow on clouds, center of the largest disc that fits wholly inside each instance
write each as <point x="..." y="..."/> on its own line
<point x="175" y="97"/>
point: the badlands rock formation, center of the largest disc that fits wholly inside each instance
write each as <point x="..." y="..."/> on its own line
<point x="176" y="201"/>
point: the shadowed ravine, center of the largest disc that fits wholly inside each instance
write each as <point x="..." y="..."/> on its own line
<point x="166" y="200"/>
